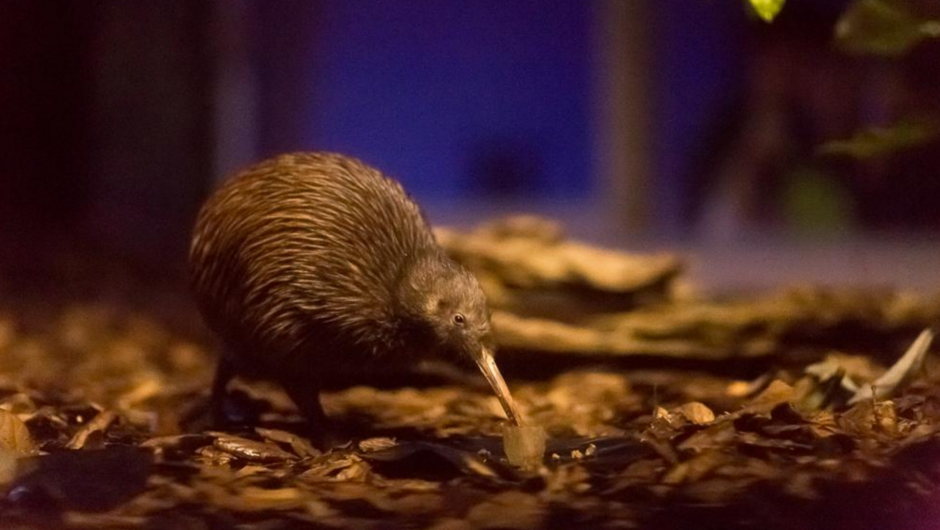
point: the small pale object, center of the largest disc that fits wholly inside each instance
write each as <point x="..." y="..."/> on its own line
<point x="524" y="445"/>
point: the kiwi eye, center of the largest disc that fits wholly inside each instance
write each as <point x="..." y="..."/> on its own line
<point x="459" y="319"/>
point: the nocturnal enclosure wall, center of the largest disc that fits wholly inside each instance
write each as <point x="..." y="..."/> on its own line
<point x="104" y="141"/>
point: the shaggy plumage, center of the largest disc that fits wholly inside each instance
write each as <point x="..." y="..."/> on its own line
<point x="308" y="260"/>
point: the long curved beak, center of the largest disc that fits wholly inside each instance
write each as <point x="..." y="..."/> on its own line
<point x="484" y="359"/>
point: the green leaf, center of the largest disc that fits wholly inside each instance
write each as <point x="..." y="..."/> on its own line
<point x="880" y="141"/>
<point x="882" y="27"/>
<point x="767" y="9"/>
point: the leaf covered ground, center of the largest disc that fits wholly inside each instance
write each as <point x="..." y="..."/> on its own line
<point x="719" y="413"/>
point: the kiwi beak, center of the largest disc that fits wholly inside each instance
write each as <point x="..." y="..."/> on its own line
<point x="484" y="359"/>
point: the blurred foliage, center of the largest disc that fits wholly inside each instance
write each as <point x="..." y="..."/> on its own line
<point x="816" y="204"/>
<point x="767" y="9"/>
<point x="880" y="141"/>
<point x="882" y="27"/>
<point x="887" y="28"/>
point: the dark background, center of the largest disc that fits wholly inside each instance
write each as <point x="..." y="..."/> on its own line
<point x="687" y="122"/>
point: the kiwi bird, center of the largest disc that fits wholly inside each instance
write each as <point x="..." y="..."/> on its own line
<point x="310" y="261"/>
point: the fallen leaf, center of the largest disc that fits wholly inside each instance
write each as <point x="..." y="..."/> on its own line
<point x="250" y="450"/>
<point x="14" y="436"/>
<point x="695" y="468"/>
<point x="778" y="392"/>
<point x="435" y="460"/>
<point x="300" y="445"/>
<point x="15" y="442"/>
<point x="371" y="445"/>
<point x="99" y="423"/>
<point x="509" y="509"/>
<point x="696" y="413"/>
<point x="899" y="375"/>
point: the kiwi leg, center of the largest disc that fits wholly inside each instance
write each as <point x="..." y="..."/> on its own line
<point x="321" y="430"/>
<point x="224" y="373"/>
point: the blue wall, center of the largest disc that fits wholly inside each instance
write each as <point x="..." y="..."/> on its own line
<point x="699" y="71"/>
<point x="456" y="98"/>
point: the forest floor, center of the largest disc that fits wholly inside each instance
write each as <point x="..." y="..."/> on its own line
<point x="763" y="423"/>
